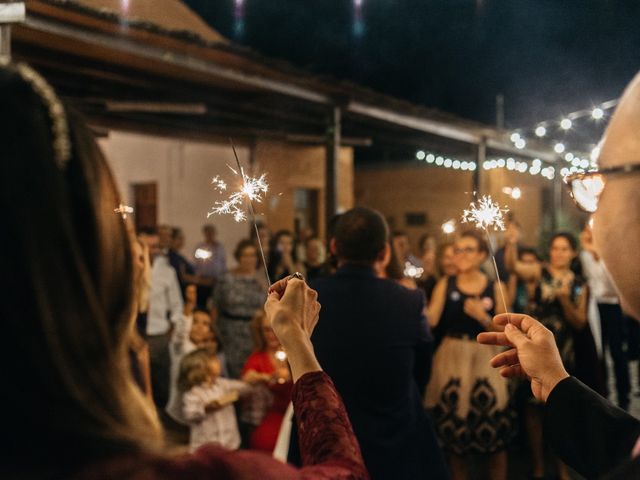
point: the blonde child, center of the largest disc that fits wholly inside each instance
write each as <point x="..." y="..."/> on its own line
<point x="207" y="400"/>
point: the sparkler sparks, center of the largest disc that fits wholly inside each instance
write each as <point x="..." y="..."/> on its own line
<point x="485" y="214"/>
<point x="252" y="190"/>
<point x="123" y="210"/>
<point x="488" y="214"/>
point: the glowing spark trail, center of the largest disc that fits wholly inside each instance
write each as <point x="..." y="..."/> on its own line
<point x="123" y="210"/>
<point x="488" y="214"/>
<point x="251" y="190"/>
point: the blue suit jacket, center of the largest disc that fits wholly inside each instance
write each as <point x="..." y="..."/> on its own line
<point x="374" y="342"/>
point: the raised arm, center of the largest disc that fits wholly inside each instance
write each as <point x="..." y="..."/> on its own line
<point x="525" y="271"/>
<point x="328" y="446"/>
<point x="575" y="311"/>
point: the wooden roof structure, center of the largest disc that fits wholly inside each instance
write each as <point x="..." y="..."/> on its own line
<point x="156" y="66"/>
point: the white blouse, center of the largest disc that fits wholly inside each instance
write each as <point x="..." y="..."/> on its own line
<point x="217" y="426"/>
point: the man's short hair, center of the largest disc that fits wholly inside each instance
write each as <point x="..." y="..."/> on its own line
<point x="360" y="235"/>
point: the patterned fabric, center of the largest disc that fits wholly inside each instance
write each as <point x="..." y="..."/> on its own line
<point x="329" y="449"/>
<point x="216" y="426"/>
<point x="469" y="400"/>
<point x="237" y="299"/>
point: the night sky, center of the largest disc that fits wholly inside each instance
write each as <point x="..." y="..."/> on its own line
<point x="547" y="57"/>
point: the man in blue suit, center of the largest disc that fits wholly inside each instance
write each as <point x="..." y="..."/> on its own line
<point x="373" y="340"/>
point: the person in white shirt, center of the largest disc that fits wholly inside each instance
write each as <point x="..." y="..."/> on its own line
<point x="165" y="310"/>
<point x="208" y="400"/>
<point x="193" y="331"/>
<point x="614" y="324"/>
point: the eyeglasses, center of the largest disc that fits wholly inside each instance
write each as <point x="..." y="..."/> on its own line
<point x="586" y="188"/>
<point x="467" y="250"/>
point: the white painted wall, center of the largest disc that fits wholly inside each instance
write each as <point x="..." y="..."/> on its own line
<point x="183" y="171"/>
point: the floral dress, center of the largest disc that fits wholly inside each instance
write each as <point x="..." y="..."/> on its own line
<point x="237" y="298"/>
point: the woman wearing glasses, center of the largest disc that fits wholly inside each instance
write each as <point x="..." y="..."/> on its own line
<point x="469" y="401"/>
<point x="560" y="304"/>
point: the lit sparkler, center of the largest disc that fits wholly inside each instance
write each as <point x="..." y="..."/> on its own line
<point x="449" y="227"/>
<point x="487" y="214"/>
<point x="123" y="210"/>
<point x="411" y="271"/>
<point x="203" y="254"/>
<point x="251" y="190"/>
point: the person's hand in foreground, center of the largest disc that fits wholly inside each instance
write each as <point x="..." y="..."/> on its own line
<point x="293" y="311"/>
<point x="534" y="354"/>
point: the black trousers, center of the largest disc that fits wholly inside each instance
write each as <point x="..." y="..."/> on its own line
<point x="615" y="336"/>
<point x="160" y="368"/>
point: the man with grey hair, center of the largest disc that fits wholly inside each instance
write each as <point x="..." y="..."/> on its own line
<point x="590" y="434"/>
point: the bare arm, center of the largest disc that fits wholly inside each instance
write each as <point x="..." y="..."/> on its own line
<point x="526" y="272"/>
<point x="575" y="312"/>
<point x="438" y="299"/>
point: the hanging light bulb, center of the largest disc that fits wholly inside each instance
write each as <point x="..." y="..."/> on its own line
<point x="566" y="123"/>
<point x="541" y="131"/>
<point x="597" y="113"/>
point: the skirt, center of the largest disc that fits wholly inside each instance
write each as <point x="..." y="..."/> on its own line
<point x="469" y="400"/>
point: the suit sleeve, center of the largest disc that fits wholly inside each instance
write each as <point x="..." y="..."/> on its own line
<point x="423" y="348"/>
<point x="586" y="431"/>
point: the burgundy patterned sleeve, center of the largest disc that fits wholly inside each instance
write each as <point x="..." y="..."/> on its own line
<point x="325" y="434"/>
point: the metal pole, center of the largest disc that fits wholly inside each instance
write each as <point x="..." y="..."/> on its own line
<point x="557" y="202"/>
<point x="481" y="156"/>
<point x="331" y="164"/>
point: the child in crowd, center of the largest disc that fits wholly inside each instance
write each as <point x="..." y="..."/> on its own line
<point x="207" y="400"/>
<point x="193" y="331"/>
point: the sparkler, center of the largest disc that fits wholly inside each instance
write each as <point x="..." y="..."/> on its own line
<point x="488" y="214"/>
<point x="251" y="190"/>
<point x="123" y="210"/>
<point x="449" y="227"/>
<point x="411" y="271"/>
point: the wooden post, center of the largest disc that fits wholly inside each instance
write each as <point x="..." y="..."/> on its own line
<point x="481" y="156"/>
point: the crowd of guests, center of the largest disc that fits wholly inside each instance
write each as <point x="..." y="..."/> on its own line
<point x="210" y="319"/>
<point x="92" y="305"/>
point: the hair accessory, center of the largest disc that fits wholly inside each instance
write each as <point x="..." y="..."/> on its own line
<point x="59" y="125"/>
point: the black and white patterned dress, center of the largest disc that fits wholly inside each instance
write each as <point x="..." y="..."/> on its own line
<point x="469" y="400"/>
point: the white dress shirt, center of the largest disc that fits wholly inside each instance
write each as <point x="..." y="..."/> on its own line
<point x="600" y="284"/>
<point x="218" y="426"/>
<point x="165" y="299"/>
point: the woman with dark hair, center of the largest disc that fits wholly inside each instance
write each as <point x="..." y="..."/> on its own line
<point x="560" y="303"/>
<point x="282" y="256"/>
<point x="237" y="297"/>
<point x="68" y="306"/>
<point x="469" y="401"/>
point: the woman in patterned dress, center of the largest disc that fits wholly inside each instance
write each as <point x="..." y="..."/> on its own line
<point x="468" y="399"/>
<point x="560" y="304"/>
<point x="241" y="292"/>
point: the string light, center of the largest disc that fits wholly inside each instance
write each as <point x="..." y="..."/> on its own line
<point x="566" y="123"/>
<point x="559" y="147"/>
<point x="420" y="155"/>
<point x="541" y="131"/>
